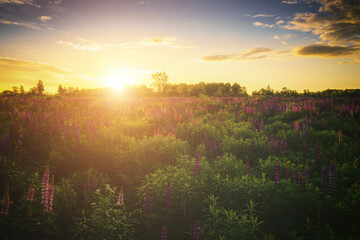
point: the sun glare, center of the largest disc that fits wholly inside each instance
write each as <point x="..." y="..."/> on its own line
<point x="117" y="81"/>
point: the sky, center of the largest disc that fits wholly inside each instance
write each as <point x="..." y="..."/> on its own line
<point x="298" y="44"/>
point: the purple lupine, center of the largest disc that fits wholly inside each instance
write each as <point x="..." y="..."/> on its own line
<point x="50" y="196"/>
<point x="293" y="177"/>
<point x="317" y="155"/>
<point x="87" y="185"/>
<point x="301" y="182"/>
<point x="252" y="145"/>
<point x="340" y="136"/>
<point x="287" y="173"/>
<point x="323" y="177"/>
<point x="197" y="162"/>
<point x="120" y="200"/>
<point x="5" y="204"/>
<point x="247" y="168"/>
<point x="332" y="178"/>
<point x="306" y="172"/>
<point x="164" y="233"/>
<point x="206" y="140"/>
<point x="277" y="172"/>
<point x="148" y="203"/>
<point x="168" y="196"/>
<point x="30" y="195"/>
<point x="45" y="185"/>
<point x="196" y="230"/>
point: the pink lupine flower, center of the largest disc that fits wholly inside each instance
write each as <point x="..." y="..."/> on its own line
<point x="196" y="230"/>
<point x="44" y="185"/>
<point x="247" y="168"/>
<point x="277" y="172"/>
<point x="87" y="185"/>
<point x="168" y="196"/>
<point x="340" y="136"/>
<point x="5" y="204"/>
<point x="164" y="233"/>
<point x="121" y="197"/>
<point x="30" y="195"/>
<point x="50" y="196"/>
<point x="148" y="203"/>
<point x="197" y="162"/>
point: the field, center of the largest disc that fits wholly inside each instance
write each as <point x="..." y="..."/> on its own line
<point x="179" y="168"/>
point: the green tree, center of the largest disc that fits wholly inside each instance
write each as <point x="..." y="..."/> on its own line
<point x="22" y="91"/>
<point x="161" y="80"/>
<point x="40" y="87"/>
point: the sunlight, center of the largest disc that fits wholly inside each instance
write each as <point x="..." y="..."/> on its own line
<point x="117" y="80"/>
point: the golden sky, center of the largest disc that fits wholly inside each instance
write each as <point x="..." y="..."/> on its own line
<point x="298" y="44"/>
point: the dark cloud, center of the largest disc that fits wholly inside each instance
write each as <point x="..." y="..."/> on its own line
<point x="327" y="51"/>
<point x="337" y="21"/>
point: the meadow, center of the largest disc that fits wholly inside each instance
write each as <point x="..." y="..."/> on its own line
<point x="179" y="168"/>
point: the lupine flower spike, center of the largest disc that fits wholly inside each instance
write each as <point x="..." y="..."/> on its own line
<point x="164" y="233"/>
<point x="168" y="196"/>
<point x="332" y="178"/>
<point x="44" y="185"/>
<point x="197" y="162"/>
<point x="196" y="230"/>
<point x="50" y="196"/>
<point x="30" y="195"/>
<point x="277" y="172"/>
<point x="148" y="203"/>
<point x="121" y="197"/>
<point x="5" y="204"/>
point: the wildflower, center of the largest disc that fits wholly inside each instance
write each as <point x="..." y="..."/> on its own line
<point x="30" y="195"/>
<point x="317" y="155"/>
<point x="164" y="233"/>
<point x="197" y="162"/>
<point x="301" y="183"/>
<point x="87" y="185"/>
<point x="45" y="185"/>
<point x="168" y="196"/>
<point x="332" y="178"/>
<point x="50" y="196"/>
<point x="277" y="172"/>
<point x="306" y="172"/>
<point x="121" y="197"/>
<point x="5" y="204"/>
<point x="196" y="230"/>
<point x="340" y="136"/>
<point x="323" y="177"/>
<point x="148" y="203"/>
<point x="247" y="168"/>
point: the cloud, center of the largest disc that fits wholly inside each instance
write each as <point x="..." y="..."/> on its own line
<point x="260" y="24"/>
<point x="249" y="54"/>
<point x="290" y="2"/>
<point x="263" y="15"/>
<point x="45" y="19"/>
<point x="336" y="21"/>
<point x="15" y="72"/>
<point x="280" y="22"/>
<point x="276" y="37"/>
<point x="218" y="58"/>
<point x="22" y="24"/>
<point x="325" y="51"/>
<point x="84" y="47"/>
<point x="156" y="41"/>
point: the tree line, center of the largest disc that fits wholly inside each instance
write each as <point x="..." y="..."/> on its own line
<point x="162" y="88"/>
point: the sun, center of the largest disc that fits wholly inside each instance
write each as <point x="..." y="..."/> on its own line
<point x="117" y="81"/>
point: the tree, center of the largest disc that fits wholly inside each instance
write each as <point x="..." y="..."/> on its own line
<point x="40" y="87"/>
<point x="161" y="80"/>
<point x="22" y="91"/>
<point x="15" y="89"/>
